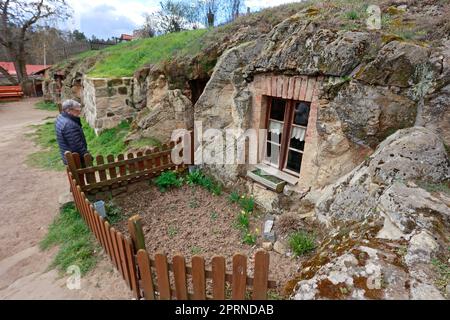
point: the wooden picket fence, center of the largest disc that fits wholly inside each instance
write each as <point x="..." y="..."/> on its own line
<point x="117" y="247"/>
<point x="151" y="278"/>
<point x="121" y="171"/>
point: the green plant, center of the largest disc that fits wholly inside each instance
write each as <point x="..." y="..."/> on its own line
<point x="113" y="213"/>
<point x="243" y="221"/>
<point x="172" y="231"/>
<point x="76" y="245"/>
<point x="168" y="180"/>
<point x="194" y="178"/>
<point x="193" y="204"/>
<point x="352" y="15"/>
<point x="250" y="239"/>
<point x="443" y="270"/>
<point x="196" y="250"/>
<point x="198" y="178"/>
<point x="214" y="216"/>
<point x="301" y="243"/>
<point x="234" y="197"/>
<point x="247" y="204"/>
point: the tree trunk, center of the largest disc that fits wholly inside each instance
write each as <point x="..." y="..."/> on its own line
<point x="22" y="76"/>
<point x="10" y="78"/>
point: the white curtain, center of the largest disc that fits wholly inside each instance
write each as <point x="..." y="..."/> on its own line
<point x="276" y="127"/>
<point x="298" y="133"/>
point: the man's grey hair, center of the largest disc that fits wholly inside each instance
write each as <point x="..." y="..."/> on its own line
<point x="70" y="105"/>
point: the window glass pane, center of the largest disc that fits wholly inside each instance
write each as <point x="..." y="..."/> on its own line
<point x="301" y="113"/>
<point x="274" y="137"/>
<point x="278" y="109"/>
<point x="294" y="161"/>
<point x="297" y="144"/>
<point x="273" y="154"/>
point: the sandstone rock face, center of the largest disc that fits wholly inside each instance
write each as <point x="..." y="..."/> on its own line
<point x="172" y="111"/>
<point x="368" y="114"/>
<point x="388" y="228"/>
<point x="296" y="45"/>
<point x="226" y="102"/>
<point x="436" y="109"/>
<point x="414" y="154"/>
<point x="395" y="65"/>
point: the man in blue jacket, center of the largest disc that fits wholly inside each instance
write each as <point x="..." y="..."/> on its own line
<point x="69" y="131"/>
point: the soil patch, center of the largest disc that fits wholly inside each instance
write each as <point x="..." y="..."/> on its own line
<point x="191" y="221"/>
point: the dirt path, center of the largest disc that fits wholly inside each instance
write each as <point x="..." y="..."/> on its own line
<point x="28" y="204"/>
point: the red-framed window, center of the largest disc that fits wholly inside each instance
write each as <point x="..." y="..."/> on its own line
<point x="287" y="122"/>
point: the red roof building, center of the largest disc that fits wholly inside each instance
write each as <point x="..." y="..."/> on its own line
<point x="126" y="37"/>
<point x="31" y="69"/>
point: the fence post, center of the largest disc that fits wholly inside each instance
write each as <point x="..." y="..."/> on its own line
<point x="136" y="233"/>
<point x="72" y="166"/>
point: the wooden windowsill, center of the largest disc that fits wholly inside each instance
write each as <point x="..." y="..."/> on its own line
<point x="292" y="180"/>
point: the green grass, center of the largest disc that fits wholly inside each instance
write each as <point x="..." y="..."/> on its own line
<point x="301" y="243"/>
<point x="110" y="141"/>
<point x="48" y="106"/>
<point x="145" y="142"/>
<point x="123" y="60"/>
<point x="49" y="158"/>
<point x="77" y="246"/>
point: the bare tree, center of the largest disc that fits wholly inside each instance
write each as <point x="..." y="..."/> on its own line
<point x="173" y="16"/>
<point x="208" y="10"/>
<point x="17" y="18"/>
<point x="233" y="8"/>
<point x="148" y="29"/>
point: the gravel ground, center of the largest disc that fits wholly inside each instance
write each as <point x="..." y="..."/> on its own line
<point x="189" y="221"/>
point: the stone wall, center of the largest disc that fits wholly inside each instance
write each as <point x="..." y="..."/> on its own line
<point x="107" y="102"/>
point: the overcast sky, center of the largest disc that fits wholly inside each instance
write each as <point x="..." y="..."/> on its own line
<point x="110" y="18"/>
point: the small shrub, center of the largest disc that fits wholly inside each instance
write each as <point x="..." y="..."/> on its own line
<point x="235" y="197"/>
<point x="301" y="243"/>
<point x="243" y="221"/>
<point x="168" y="180"/>
<point x="247" y="204"/>
<point x="113" y="212"/>
<point x="198" y="178"/>
<point x="194" y="177"/>
<point x="250" y="239"/>
<point x="196" y="250"/>
<point x="172" y="231"/>
<point x="352" y="15"/>
<point x="214" y="216"/>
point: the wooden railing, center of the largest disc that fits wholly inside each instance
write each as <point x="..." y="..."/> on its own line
<point x="121" y="171"/>
<point x="117" y="247"/>
<point x="240" y="286"/>
<point x="132" y="260"/>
